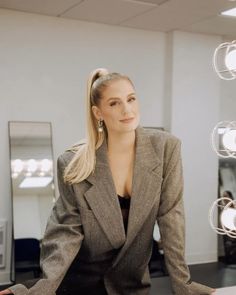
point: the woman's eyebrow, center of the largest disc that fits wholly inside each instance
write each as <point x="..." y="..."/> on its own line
<point x="119" y="98"/>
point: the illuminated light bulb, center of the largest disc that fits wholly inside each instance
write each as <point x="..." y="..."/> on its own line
<point x="32" y="165"/>
<point x="14" y="175"/>
<point x="224" y="60"/>
<point x="221" y="130"/>
<point x="230" y="60"/>
<point x="46" y="165"/>
<point x="28" y="174"/>
<point x="223" y="139"/>
<point x="18" y="166"/>
<point x="228" y="218"/>
<point x="229" y="140"/>
<point x="227" y="222"/>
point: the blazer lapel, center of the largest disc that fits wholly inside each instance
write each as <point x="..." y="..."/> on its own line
<point x="103" y="200"/>
<point x="147" y="180"/>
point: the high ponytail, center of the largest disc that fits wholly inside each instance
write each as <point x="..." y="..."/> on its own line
<point x="84" y="161"/>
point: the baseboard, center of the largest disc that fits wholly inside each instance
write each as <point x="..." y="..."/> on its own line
<point x="201" y="258"/>
<point x="5" y="278"/>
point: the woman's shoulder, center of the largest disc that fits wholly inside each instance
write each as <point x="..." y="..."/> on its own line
<point x="161" y="137"/>
<point x="71" y="151"/>
<point x="163" y="142"/>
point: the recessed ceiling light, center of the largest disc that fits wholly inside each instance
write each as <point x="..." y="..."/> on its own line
<point x="30" y="182"/>
<point x="230" y="12"/>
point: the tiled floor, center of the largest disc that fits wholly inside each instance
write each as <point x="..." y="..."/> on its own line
<point x="215" y="275"/>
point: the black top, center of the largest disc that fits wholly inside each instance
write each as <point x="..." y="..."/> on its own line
<point x="124" y="205"/>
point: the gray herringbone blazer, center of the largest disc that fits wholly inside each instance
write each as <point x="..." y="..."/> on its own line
<point x="85" y="232"/>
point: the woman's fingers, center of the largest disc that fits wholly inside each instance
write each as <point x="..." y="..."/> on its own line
<point x="5" y="292"/>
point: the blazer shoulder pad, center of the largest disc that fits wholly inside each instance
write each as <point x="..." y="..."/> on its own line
<point x="70" y="152"/>
<point x="162" y="137"/>
<point x="75" y="147"/>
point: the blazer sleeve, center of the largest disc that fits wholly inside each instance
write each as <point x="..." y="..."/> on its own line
<point x="61" y="242"/>
<point x="171" y="223"/>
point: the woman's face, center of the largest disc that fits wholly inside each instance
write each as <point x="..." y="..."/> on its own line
<point x="119" y="102"/>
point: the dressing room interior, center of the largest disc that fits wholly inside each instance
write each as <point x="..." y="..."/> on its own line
<point x="181" y="56"/>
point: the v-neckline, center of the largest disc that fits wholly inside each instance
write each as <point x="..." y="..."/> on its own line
<point x="124" y="197"/>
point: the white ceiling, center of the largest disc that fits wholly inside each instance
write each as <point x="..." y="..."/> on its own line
<point x="201" y="16"/>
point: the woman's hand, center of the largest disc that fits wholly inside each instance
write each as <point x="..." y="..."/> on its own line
<point x="5" y="292"/>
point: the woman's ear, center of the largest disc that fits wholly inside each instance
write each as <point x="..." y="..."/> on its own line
<point x="96" y="112"/>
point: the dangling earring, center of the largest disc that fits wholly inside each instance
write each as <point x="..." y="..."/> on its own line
<point x="100" y="125"/>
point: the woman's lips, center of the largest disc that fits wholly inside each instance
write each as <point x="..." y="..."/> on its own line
<point x="127" y="120"/>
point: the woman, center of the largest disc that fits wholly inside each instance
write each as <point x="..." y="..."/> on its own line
<point x="113" y="187"/>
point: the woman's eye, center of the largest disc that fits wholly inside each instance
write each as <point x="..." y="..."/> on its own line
<point x="132" y="98"/>
<point x="115" y="102"/>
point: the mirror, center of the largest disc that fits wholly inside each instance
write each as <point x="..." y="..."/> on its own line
<point x="33" y="194"/>
<point x="227" y="188"/>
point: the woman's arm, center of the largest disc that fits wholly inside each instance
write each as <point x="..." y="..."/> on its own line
<point x="61" y="242"/>
<point x="172" y="224"/>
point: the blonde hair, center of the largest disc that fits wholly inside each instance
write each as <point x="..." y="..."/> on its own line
<point x="84" y="161"/>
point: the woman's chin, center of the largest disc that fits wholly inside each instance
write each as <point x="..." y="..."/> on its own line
<point x="130" y="127"/>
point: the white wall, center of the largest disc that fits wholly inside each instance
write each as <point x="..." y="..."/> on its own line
<point x="44" y="65"/>
<point x="195" y="111"/>
<point x="228" y="101"/>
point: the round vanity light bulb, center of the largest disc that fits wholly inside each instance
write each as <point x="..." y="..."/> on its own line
<point x="14" y="175"/>
<point x="229" y="140"/>
<point x="230" y="60"/>
<point x="18" y="166"/>
<point x="46" y="165"/>
<point x="32" y="165"/>
<point x="228" y="218"/>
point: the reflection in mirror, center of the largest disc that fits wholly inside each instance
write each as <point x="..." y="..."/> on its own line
<point x="227" y="189"/>
<point x="33" y="194"/>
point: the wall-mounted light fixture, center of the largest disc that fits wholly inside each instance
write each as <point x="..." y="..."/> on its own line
<point x="227" y="220"/>
<point x="223" y="139"/>
<point x="224" y="60"/>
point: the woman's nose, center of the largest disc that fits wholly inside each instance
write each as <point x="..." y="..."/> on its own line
<point x="126" y="108"/>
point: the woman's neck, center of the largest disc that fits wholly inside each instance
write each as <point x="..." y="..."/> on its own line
<point x="121" y="143"/>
